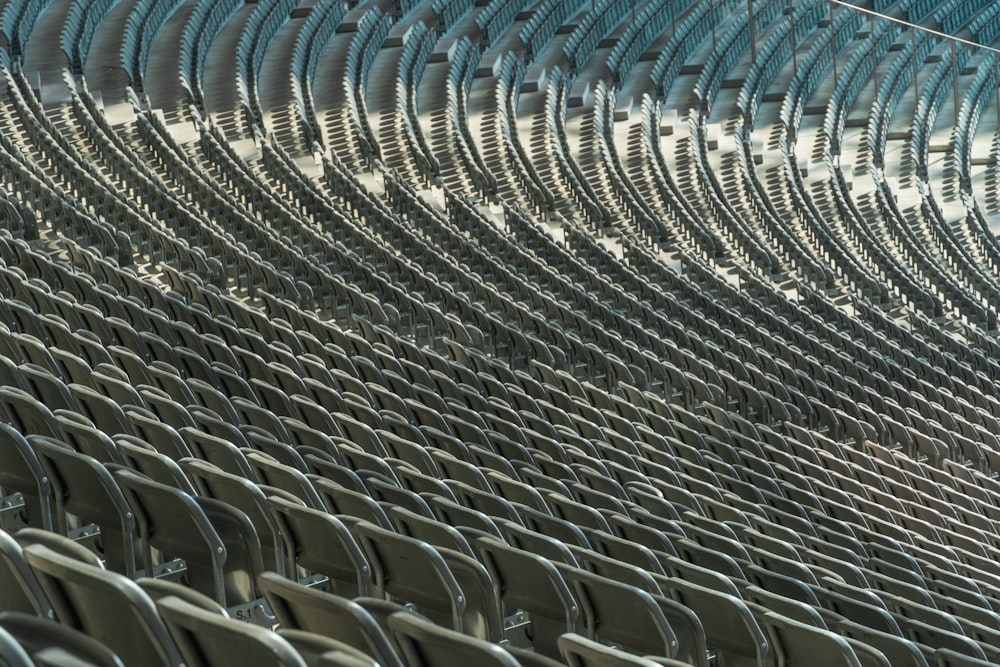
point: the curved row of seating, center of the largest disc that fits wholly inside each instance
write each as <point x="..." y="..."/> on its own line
<point x="639" y="35"/>
<point x="263" y="24"/>
<point x="311" y="40"/>
<point x="678" y="378"/>
<point x="18" y="19"/>
<point x="144" y="21"/>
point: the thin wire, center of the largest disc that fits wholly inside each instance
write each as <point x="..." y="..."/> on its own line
<point x="914" y="26"/>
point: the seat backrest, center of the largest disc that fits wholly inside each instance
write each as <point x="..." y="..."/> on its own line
<point x="341" y="500"/>
<point x="322" y="544"/>
<point x="52" y="643"/>
<point x="140" y="456"/>
<point x="176" y="525"/>
<point x="61" y="544"/>
<point x="319" y="649"/>
<point x="26" y="413"/>
<point x="730" y="627"/>
<point x="19" y="588"/>
<point x="20" y="470"/>
<point x="105" y="605"/>
<point x="578" y="651"/>
<point x="247" y="497"/>
<point x="305" y="608"/>
<point x="410" y="570"/>
<point x="89" y="492"/>
<point x="796" y="643"/>
<point x="624" y="615"/>
<point x="425" y="644"/>
<point x="269" y="471"/>
<point x="900" y="651"/>
<point x="528" y="582"/>
<point x="206" y="639"/>
<point x="433" y="531"/>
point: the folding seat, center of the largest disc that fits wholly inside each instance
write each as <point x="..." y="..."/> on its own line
<point x="173" y="523"/>
<point x="685" y="624"/>
<point x="341" y="500"/>
<point x="568" y="530"/>
<point x="630" y="617"/>
<point x="45" y="386"/>
<point x="929" y="635"/>
<point x="206" y="395"/>
<point x="85" y="489"/>
<point x="268" y="470"/>
<point x="218" y="451"/>
<point x="80" y="435"/>
<point x="780" y="584"/>
<point x="656" y="539"/>
<point x="945" y="657"/>
<point x="928" y="614"/>
<point x="578" y="651"/>
<point x="22" y="472"/>
<point x="652" y="500"/>
<point x="411" y="452"/>
<point x="537" y="542"/>
<point x="527" y="582"/>
<point x="314" y="368"/>
<point x="762" y="600"/>
<point x="468" y="432"/>
<point x="482" y="501"/>
<point x="256" y="415"/>
<point x="411" y="571"/>
<point x="323" y="464"/>
<point x="898" y="651"/>
<point x="106" y="415"/>
<point x="247" y="497"/>
<point x="432" y="531"/>
<point x="758" y="542"/>
<point x="790" y="567"/>
<point x="113" y="382"/>
<point x="708" y="557"/>
<point x="71" y="366"/>
<point x="794" y="642"/>
<point x="396" y="382"/>
<point x="424" y="644"/>
<point x="510" y="449"/>
<point x="46" y="643"/>
<point x="205" y="639"/>
<point x="462" y="517"/>
<point x="231" y="383"/>
<point x="106" y="606"/>
<point x="516" y="492"/>
<point x="140" y="456"/>
<point x="297" y="606"/>
<point x="363" y="435"/>
<point x="964" y="604"/>
<point x="25" y="413"/>
<point x="715" y="535"/>
<point x="163" y="438"/>
<point x="34" y="350"/>
<point x="419" y="483"/>
<point x="417" y="373"/>
<point x="20" y="590"/>
<point x="92" y="349"/>
<point x="191" y="364"/>
<point x="899" y="581"/>
<point x="392" y="495"/>
<point x="322" y="544"/>
<point x="156" y="348"/>
<point x="842" y="562"/>
<point x="365" y="462"/>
